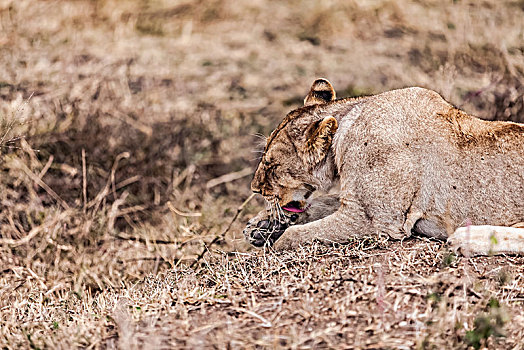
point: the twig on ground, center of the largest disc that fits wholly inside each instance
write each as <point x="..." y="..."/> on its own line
<point x="143" y="240"/>
<point x="35" y="231"/>
<point x="178" y="212"/>
<point x="41" y="183"/>
<point x="229" y="177"/>
<point x="147" y="258"/>
<point x="46" y="167"/>
<point x="84" y="180"/>
<point x="105" y="191"/>
<point x="218" y="237"/>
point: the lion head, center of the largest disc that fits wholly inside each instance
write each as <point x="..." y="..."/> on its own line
<point x="297" y="158"/>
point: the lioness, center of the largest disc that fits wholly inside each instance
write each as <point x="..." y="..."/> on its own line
<point x="406" y="161"/>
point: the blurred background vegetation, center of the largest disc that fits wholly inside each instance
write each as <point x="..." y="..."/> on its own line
<point x="118" y="119"/>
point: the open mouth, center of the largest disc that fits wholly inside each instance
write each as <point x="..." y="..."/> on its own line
<point x="294" y="207"/>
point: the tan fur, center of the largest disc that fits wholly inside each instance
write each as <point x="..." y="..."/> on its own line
<point x="406" y="160"/>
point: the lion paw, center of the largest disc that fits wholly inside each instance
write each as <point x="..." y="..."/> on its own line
<point x="263" y="230"/>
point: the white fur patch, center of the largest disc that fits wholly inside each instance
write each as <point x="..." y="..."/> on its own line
<point x="488" y="240"/>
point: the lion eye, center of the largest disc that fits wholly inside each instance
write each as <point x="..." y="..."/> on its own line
<point x="267" y="163"/>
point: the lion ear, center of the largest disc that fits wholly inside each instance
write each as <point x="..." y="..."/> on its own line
<point x="321" y="92"/>
<point x="319" y="136"/>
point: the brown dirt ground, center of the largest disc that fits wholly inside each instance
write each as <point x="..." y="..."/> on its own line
<point x="119" y="119"/>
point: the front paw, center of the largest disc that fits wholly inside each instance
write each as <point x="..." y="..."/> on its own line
<point x="263" y="232"/>
<point x="290" y="239"/>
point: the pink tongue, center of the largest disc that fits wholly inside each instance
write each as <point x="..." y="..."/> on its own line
<point x="294" y="210"/>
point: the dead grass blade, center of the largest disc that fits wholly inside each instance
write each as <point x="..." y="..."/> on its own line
<point x="17" y="163"/>
<point x="35" y="231"/>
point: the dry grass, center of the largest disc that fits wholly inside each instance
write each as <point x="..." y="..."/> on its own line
<point x="118" y="117"/>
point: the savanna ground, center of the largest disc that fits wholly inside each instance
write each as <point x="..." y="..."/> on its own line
<point x="127" y="140"/>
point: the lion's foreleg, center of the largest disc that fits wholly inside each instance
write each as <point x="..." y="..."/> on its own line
<point x="338" y="227"/>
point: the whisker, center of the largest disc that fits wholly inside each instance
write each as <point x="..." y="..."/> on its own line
<point x="271" y="226"/>
<point x="269" y="207"/>
<point x="277" y="214"/>
<point x="282" y="212"/>
<point x="260" y="136"/>
<point x="279" y="211"/>
<point x="272" y="212"/>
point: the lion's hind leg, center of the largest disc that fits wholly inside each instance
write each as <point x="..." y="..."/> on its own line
<point x="488" y="240"/>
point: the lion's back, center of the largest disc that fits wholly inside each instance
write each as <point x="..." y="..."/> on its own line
<point x="457" y="162"/>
